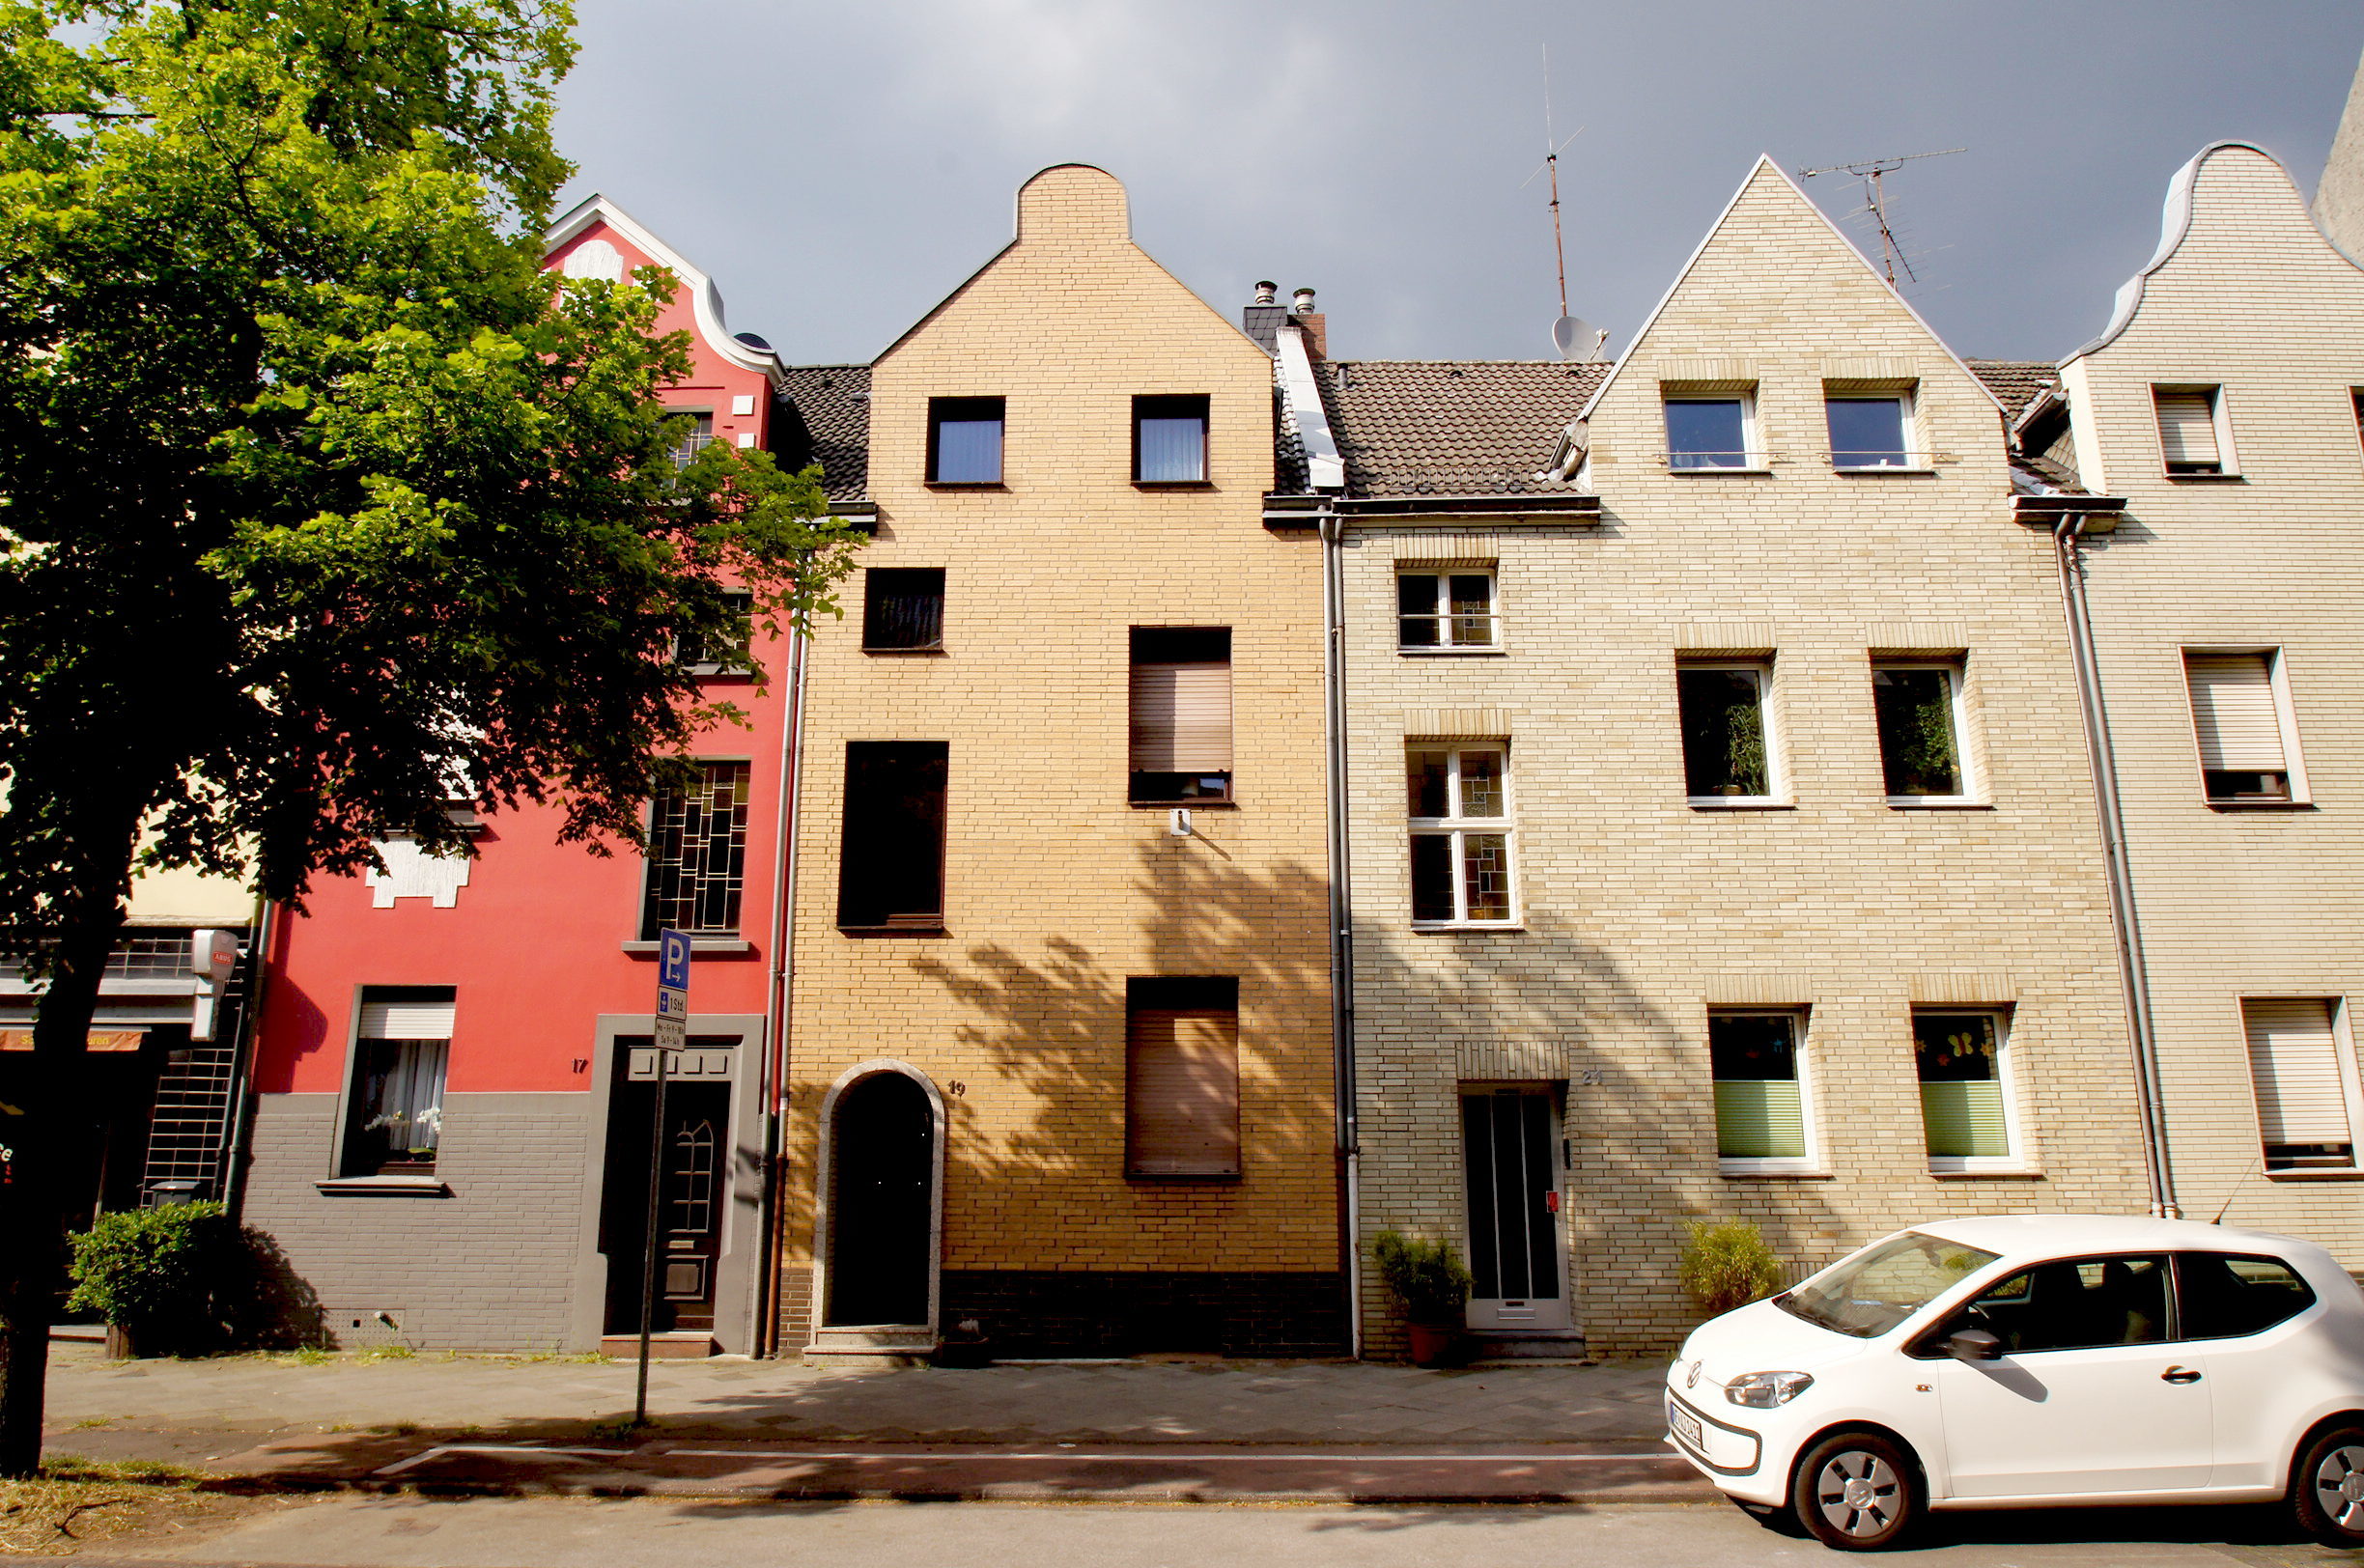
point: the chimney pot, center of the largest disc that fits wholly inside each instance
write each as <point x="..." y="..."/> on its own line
<point x="1264" y="292"/>
<point x="1302" y="302"/>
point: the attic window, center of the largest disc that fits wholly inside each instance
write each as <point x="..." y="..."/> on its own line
<point x="1708" y="431"/>
<point x="2193" y="439"/>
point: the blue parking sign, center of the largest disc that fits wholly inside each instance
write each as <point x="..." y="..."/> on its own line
<point x="672" y="961"/>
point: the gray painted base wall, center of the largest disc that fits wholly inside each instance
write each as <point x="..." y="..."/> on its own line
<point x="490" y="1266"/>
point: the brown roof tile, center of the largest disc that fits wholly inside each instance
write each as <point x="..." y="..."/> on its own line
<point x="2015" y="383"/>
<point x="1463" y="427"/>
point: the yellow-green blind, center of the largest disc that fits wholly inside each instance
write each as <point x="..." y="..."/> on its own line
<point x="1760" y="1119"/>
<point x="1965" y="1120"/>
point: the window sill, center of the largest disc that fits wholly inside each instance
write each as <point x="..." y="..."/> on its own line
<point x="1203" y="804"/>
<point x="933" y="650"/>
<point x="382" y="1186"/>
<point x="1773" y="1170"/>
<point x="700" y="947"/>
<point x="720" y="672"/>
<point x="2008" y="1171"/>
<point x="2350" y="1174"/>
<point x="2205" y="479"/>
<point x="985" y="485"/>
<point x="1450" y="653"/>
<point x="1174" y="484"/>
<point x="1937" y="802"/>
<point x="1752" y="473"/>
<point x="1738" y="803"/>
<point x="1194" y="1176"/>
<point x="2260" y="805"/>
<point x="935" y="929"/>
<point x="1885" y="471"/>
<point x="1451" y="928"/>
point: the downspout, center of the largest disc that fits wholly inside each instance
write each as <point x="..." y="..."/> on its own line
<point x="1341" y="904"/>
<point x="2101" y="757"/>
<point x="773" y="1088"/>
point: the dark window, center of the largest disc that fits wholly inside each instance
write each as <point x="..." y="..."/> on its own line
<point x="965" y="440"/>
<point x="1181" y="715"/>
<point x="1445" y="609"/>
<point x="1866" y="432"/>
<point x="1920" y="751"/>
<point x="694" y="438"/>
<point x="1169" y="440"/>
<point x="2079" y="1304"/>
<point x="1182" y="1076"/>
<point x="698" y="855"/>
<point x="890" y="869"/>
<point x="394" y="1106"/>
<point x="903" y="608"/>
<point x="1706" y="433"/>
<point x="2219" y="1295"/>
<point x="729" y="652"/>
<point x="1724" y="733"/>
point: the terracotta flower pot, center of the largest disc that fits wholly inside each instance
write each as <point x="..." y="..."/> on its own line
<point x="1434" y="1344"/>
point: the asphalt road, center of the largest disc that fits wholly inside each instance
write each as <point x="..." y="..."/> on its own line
<point x="407" y="1531"/>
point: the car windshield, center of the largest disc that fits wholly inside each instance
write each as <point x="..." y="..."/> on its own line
<point x="1873" y="1292"/>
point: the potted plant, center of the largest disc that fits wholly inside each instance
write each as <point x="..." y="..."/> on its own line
<point x="159" y="1277"/>
<point x="1433" y="1287"/>
<point x="1728" y="1264"/>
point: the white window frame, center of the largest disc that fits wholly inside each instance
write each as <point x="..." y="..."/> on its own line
<point x="696" y="441"/>
<point x="2343" y="1050"/>
<point x="2228" y="457"/>
<point x="1443" y="575"/>
<point x="2285" y="716"/>
<point x="1956" y="680"/>
<point x="2007" y="1080"/>
<point x="1810" y="1163"/>
<point x="1753" y="459"/>
<point x="1777" y="777"/>
<point x="1909" y="430"/>
<point x="1458" y="828"/>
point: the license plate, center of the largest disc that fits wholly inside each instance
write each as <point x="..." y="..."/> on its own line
<point x="1686" y="1426"/>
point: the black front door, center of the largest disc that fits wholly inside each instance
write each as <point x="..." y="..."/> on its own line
<point x="882" y="1202"/>
<point x="694" y="1148"/>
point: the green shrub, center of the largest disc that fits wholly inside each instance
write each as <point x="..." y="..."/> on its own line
<point x="1425" y="1276"/>
<point x="1726" y="1263"/>
<point x="164" y="1276"/>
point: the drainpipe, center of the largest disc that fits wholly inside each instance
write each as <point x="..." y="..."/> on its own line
<point x="772" y="1084"/>
<point x="1341" y="904"/>
<point x="2131" y="966"/>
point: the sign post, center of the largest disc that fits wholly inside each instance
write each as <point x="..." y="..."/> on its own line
<point x="672" y="1020"/>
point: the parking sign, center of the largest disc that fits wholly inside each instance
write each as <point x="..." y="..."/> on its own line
<point x="672" y="989"/>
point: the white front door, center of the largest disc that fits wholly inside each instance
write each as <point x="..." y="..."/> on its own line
<point x="2090" y="1395"/>
<point x="1510" y="1165"/>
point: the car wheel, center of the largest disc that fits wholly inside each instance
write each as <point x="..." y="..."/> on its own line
<point x="1857" y="1492"/>
<point x="2327" y="1493"/>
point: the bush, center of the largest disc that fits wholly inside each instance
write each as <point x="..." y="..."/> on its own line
<point x="1726" y="1263"/>
<point x="1425" y="1276"/>
<point x="166" y="1277"/>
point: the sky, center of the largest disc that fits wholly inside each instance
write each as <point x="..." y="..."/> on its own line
<point x="839" y="168"/>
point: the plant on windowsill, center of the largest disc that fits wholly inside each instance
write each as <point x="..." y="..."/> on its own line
<point x="162" y="1277"/>
<point x="1428" y="1279"/>
<point x="1728" y="1263"/>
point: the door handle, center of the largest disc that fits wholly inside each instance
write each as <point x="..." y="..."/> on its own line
<point x="2179" y="1374"/>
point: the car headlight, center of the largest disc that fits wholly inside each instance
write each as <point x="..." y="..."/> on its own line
<point x="1763" y="1391"/>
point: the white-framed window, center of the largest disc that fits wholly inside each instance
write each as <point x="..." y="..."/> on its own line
<point x="1447" y="610"/>
<point x="1923" y="733"/>
<point x="1968" y="1112"/>
<point x="1461" y="832"/>
<point x="2244" y="727"/>
<point x="2303" y="1067"/>
<point x="2195" y="438"/>
<point x="1728" y="752"/>
<point x="1872" y="429"/>
<point x="1708" y="429"/>
<point x="1762" y="1111"/>
<point x="695" y="437"/>
<point x="394" y="1093"/>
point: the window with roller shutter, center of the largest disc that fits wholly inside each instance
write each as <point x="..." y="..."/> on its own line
<point x="1180" y="707"/>
<point x="1182" y="1077"/>
<point x="2193" y="438"/>
<point x="2306" y="1100"/>
<point x="2237" y="722"/>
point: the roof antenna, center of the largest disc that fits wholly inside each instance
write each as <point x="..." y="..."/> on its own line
<point x="1870" y="170"/>
<point x="1567" y="330"/>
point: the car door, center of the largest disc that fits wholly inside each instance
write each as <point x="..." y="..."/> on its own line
<point x="2246" y="1319"/>
<point x="2090" y="1395"/>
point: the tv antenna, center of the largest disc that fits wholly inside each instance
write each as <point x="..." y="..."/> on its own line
<point x="1870" y="170"/>
<point x="1567" y="330"/>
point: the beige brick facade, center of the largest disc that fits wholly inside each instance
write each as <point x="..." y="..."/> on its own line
<point x="1056" y="889"/>
<point x="1641" y="912"/>
<point x="2236" y="901"/>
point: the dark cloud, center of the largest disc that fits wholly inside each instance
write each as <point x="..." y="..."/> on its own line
<point x="838" y="168"/>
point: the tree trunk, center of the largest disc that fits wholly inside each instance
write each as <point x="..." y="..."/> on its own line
<point x="43" y="1136"/>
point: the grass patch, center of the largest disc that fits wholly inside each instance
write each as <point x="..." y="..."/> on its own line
<point x="76" y="1500"/>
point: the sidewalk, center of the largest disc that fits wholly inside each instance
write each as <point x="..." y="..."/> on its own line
<point x="1132" y="1429"/>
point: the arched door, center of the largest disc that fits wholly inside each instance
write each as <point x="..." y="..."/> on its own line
<point x="882" y="1202"/>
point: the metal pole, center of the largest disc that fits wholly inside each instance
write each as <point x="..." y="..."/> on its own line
<point x="648" y="1251"/>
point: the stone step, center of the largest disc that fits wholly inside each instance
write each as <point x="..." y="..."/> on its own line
<point x="872" y="1345"/>
<point x="689" y="1345"/>
<point x="1528" y="1344"/>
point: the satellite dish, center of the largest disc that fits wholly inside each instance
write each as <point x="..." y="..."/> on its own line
<point x="1568" y="331"/>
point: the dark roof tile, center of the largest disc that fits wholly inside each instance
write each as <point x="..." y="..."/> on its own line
<point x="2015" y="382"/>
<point x="825" y="418"/>
<point x="1466" y="427"/>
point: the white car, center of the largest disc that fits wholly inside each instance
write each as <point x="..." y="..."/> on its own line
<point x="2020" y="1361"/>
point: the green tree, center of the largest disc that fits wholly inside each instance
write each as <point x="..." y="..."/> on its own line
<point x="318" y="500"/>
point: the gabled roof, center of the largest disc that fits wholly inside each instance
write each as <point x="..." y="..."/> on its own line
<point x="1451" y="427"/>
<point x="704" y="300"/>
<point x="2015" y="382"/>
<point x="823" y="416"/>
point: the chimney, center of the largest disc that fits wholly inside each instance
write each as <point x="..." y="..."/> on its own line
<point x="1314" y="324"/>
<point x="1263" y="319"/>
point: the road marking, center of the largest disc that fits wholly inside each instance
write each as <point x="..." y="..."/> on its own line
<point x="441" y="1449"/>
<point x="1183" y="1459"/>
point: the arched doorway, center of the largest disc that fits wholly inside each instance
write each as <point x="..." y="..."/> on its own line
<point x="882" y="1231"/>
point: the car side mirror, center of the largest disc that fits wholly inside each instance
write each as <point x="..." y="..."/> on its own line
<point x="1972" y="1345"/>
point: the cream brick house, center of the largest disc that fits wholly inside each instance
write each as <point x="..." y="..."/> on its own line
<point x="1060" y="1044"/>
<point x="2219" y="410"/>
<point x="1721" y="841"/>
